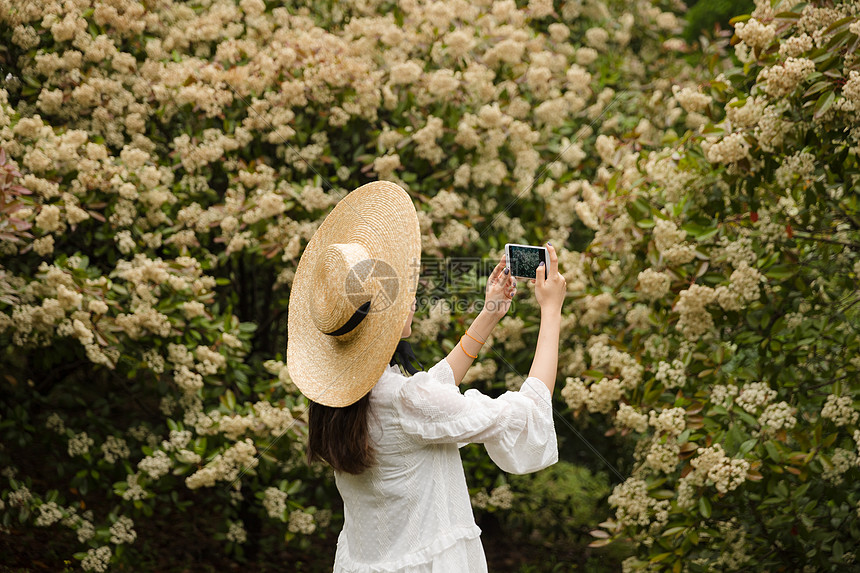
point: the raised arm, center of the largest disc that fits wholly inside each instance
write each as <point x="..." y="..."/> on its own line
<point x="500" y="290"/>
<point x="550" y="290"/>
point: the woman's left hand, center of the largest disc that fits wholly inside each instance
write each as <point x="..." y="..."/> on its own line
<point x="501" y="288"/>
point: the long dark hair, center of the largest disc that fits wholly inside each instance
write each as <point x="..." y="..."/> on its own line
<point x="340" y="436"/>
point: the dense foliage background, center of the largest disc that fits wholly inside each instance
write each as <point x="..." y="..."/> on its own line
<point x="163" y="164"/>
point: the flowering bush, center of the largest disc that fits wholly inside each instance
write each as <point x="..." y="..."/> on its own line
<point x="165" y="163"/>
<point x="729" y="350"/>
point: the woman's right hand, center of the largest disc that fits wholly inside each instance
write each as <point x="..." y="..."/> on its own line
<point x="550" y="286"/>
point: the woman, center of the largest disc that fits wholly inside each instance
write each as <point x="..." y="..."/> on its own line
<point x="391" y="439"/>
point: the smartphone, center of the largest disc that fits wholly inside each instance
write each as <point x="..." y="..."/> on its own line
<point x="523" y="260"/>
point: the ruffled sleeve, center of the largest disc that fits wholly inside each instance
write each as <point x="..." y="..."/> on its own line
<point x="516" y="428"/>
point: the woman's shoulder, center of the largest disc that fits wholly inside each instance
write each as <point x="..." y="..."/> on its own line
<point x="388" y="385"/>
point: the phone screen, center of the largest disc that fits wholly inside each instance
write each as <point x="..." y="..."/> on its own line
<point x="524" y="260"/>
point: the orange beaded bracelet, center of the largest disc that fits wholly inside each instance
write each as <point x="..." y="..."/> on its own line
<point x="464" y="350"/>
<point x="472" y="337"/>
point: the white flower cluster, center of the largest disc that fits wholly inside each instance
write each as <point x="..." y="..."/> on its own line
<point x="49" y="514"/>
<point x="743" y="288"/>
<point x="79" y="444"/>
<point x="691" y="99"/>
<point x="663" y="457"/>
<point x="635" y="507"/>
<point x="628" y="417"/>
<point x="501" y="497"/>
<point x="134" y="491"/>
<point x="55" y="423"/>
<point x="156" y="465"/>
<point x="746" y="115"/>
<point x="653" y="284"/>
<point x="796" y="45"/>
<point x="510" y="332"/>
<point x="851" y="89"/>
<point x="781" y="79"/>
<point x="225" y="466"/>
<point x="20" y="497"/>
<point x="482" y="371"/>
<point x="301" y="522"/>
<point x="612" y="360"/>
<point x="777" y="417"/>
<point x="711" y="465"/>
<point x="734" y="555"/>
<point x="115" y="449"/>
<point x="694" y="318"/>
<point x="639" y="316"/>
<point x="97" y="559"/>
<point x="755" y="34"/>
<point x="754" y="396"/>
<point x="275" y="502"/>
<point x="574" y="393"/>
<point x="669" y="240"/>
<point x="596" y="308"/>
<point x="841" y="461"/>
<point x="671" y="375"/>
<point x="798" y="166"/>
<point x="122" y="531"/>
<point x="730" y="149"/>
<point x="672" y="421"/>
<point x="840" y="410"/>
<point x="722" y="394"/>
<point x="237" y="533"/>
<point x="437" y="320"/>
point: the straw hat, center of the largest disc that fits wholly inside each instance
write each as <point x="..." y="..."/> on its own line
<point x="352" y="293"/>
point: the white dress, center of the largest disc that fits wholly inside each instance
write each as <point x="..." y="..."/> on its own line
<point x="411" y="512"/>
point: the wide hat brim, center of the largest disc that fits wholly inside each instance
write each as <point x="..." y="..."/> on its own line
<point x="339" y="370"/>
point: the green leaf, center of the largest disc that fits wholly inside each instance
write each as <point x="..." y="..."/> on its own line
<point x="747" y="446"/>
<point x="705" y="507"/>
<point x="772" y="451"/>
<point x="781" y="272"/>
<point x="660" y="557"/>
<point x="823" y="104"/>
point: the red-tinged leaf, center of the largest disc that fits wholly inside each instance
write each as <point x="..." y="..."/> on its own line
<point x="792" y="470"/>
<point x="789" y="231"/>
<point x="96" y="215"/>
<point x="754" y="216"/>
<point x="21" y="190"/>
<point x="839" y="25"/>
<point x="754" y="476"/>
<point x="790" y="16"/>
<point x="599" y="533"/>
<point x="695" y="408"/>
